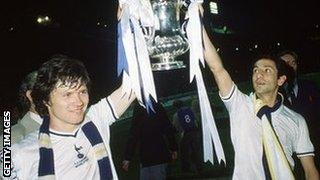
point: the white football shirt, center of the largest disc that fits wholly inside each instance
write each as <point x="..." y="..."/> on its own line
<point x="246" y="134"/>
<point x="73" y="153"/>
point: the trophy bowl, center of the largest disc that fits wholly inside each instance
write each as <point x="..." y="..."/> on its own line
<point x="167" y="41"/>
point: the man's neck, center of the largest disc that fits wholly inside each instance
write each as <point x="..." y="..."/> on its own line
<point x="268" y="99"/>
<point x="63" y="128"/>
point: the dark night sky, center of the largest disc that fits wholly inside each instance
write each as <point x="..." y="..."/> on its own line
<point x="74" y="32"/>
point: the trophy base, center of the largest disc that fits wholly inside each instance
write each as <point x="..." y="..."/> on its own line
<point x="163" y="66"/>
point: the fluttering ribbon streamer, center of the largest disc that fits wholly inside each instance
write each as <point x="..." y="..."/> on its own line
<point x="134" y="64"/>
<point x="209" y="129"/>
<point x="133" y="57"/>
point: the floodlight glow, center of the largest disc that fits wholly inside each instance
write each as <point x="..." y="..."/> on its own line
<point x="43" y="20"/>
<point x="213" y="8"/>
<point x="39" y="20"/>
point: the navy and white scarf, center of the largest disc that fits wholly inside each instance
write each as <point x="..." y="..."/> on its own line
<point x="46" y="164"/>
<point x="275" y="163"/>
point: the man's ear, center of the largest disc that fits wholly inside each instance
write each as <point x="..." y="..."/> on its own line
<point x="281" y="80"/>
<point x="28" y="94"/>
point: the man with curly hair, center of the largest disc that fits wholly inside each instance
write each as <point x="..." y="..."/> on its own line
<point x="73" y="140"/>
<point x="264" y="132"/>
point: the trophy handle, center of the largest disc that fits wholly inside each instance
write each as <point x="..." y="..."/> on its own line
<point x="183" y="33"/>
<point x="149" y="33"/>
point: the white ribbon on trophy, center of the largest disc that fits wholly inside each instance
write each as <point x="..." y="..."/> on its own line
<point x="209" y="129"/>
<point x="133" y="57"/>
<point x="134" y="63"/>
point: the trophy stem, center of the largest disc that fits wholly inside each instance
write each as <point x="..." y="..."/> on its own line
<point x="166" y="59"/>
<point x="167" y="63"/>
<point x="168" y="40"/>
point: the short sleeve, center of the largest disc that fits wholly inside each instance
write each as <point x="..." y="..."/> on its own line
<point x="303" y="145"/>
<point x="234" y="99"/>
<point x="102" y="112"/>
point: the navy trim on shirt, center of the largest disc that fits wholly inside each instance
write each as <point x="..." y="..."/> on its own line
<point x="65" y="135"/>
<point x="112" y="110"/>
<point x="311" y="152"/>
<point x="229" y="97"/>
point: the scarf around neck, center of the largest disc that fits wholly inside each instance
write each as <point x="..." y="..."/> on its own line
<point x="46" y="170"/>
<point x="275" y="162"/>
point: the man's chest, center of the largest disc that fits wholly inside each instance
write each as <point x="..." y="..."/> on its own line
<point x="284" y="130"/>
<point x="73" y="155"/>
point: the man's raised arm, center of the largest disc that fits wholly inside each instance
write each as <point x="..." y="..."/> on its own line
<point x="121" y="101"/>
<point x="214" y="62"/>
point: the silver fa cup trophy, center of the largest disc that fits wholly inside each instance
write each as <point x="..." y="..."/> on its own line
<point x="166" y="41"/>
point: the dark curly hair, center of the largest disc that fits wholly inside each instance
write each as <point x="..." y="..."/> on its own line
<point x="283" y="70"/>
<point x="292" y="53"/>
<point x="59" y="68"/>
<point x="281" y="66"/>
<point x="26" y="85"/>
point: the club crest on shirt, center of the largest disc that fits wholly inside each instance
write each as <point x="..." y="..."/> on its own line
<point x="81" y="158"/>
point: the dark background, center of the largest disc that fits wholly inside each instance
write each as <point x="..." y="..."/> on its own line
<point x="74" y="31"/>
